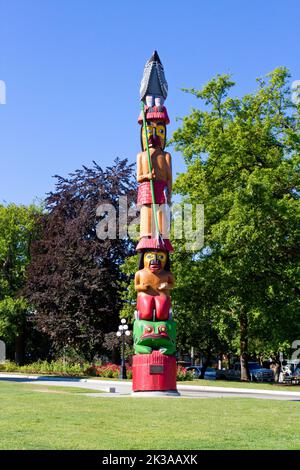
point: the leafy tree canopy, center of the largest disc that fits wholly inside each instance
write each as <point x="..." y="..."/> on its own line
<point x="18" y="227"/>
<point x="242" y="157"/>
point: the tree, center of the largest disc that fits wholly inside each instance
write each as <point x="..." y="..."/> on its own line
<point x="197" y="307"/>
<point x="18" y="227"/>
<point x="74" y="278"/>
<point x="242" y="157"/>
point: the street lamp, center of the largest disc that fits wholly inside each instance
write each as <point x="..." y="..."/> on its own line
<point x="122" y="332"/>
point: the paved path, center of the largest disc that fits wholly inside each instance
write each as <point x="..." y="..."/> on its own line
<point x="123" y="389"/>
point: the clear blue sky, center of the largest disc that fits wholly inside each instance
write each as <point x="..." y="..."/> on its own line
<point x="73" y="68"/>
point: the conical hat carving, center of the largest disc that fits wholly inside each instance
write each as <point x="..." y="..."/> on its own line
<point x="154" y="81"/>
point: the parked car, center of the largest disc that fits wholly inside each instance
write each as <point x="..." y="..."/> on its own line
<point x="210" y="373"/>
<point x="257" y="373"/>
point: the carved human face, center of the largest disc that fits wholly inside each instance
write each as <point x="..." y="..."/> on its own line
<point x="155" y="260"/>
<point x="156" y="135"/>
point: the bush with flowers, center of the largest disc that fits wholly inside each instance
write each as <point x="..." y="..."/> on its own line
<point x="112" y="371"/>
<point x="109" y="370"/>
<point x="183" y="374"/>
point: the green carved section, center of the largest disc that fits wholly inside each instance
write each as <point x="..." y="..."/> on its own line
<point x="149" y="336"/>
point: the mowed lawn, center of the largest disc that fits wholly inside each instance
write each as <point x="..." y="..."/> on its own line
<point x="30" y="419"/>
<point x="232" y="384"/>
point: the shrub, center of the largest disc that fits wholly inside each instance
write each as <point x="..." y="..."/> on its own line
<point x="8" y="367"/>
<point x="113" y="371"/>
<point x="183" y="374"/>
<point x="58" y="367"/>
<point x="109" y="370"/>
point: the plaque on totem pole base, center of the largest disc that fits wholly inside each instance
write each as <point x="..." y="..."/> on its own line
<point x="154" y="369"/>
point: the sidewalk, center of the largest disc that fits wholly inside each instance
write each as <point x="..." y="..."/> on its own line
<point x="127" y="384"/>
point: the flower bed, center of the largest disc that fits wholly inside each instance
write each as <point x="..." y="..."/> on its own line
<point x="113" y="371"/>
<point x="110" y="371"/>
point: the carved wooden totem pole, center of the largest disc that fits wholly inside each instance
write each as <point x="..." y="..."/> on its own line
<point x="154" y="332"/>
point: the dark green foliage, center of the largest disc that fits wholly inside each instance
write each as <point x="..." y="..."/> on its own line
<point x="18" y="228"/>
<point x="74" y="279"/>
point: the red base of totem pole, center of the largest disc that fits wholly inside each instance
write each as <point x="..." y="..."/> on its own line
<point x="153" y="372"/>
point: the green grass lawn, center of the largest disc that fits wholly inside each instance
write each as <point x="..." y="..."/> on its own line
<point x="233" y="384"/>
<point x="33" y="420"/>
<point x="58" y="389"/>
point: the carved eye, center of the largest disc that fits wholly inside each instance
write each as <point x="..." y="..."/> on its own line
<point x="149" y="329"/>
<point x="162" y="329"/>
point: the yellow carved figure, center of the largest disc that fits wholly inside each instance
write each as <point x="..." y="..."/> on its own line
<point x="153" y="283"/>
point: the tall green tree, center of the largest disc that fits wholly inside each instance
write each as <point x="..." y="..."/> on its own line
<point x="18" y="227"/>
<point x="242" y="157"/>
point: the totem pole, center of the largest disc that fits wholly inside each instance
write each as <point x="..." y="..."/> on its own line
<point x="154" y="331"/>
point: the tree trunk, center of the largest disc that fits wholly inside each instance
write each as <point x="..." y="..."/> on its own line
<point x="277" y="370"/>
<point x="192" y="356"/>
<point x="205" y="364"/>
<point x="245" y="375"/>
<point x="228" y="361"/>
<point x="20" y="349"/>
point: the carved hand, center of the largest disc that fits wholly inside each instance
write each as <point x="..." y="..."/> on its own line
<point x="163" y="285"/>
<point x="151" y="175"/>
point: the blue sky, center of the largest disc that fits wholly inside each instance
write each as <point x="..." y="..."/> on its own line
<point x="72" y="69"/>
